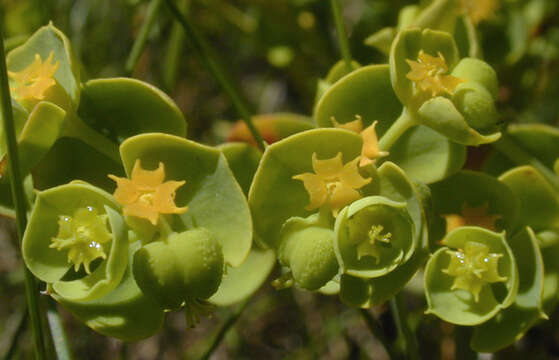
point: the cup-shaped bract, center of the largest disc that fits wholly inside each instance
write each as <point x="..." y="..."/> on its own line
<point x="373" y="236"/>
<point x="125" y="313"/>
<point x="276" y="196"/>
<point x="184" y="266"/>
<point x="214" y="199"/>
<point x="307" y="249"/>
<point x="45" y="69"/>
<point x="71" y="228"/>
<point x="422" y="64"/>
<point x="471" y="279"/>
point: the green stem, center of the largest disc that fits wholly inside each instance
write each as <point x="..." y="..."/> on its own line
<point x="400" y="315"/>
<point x="61" y="346"/>
<point x="77" y="129"/>
<point x="342" y="36"/>
<point x="397" y="129"/>
<point x="376" y="330"/>
<point x="224" y="329"/>
<point x="17" y="335"/>
<point x="20" y="204"/>
<point x="140" y="42"/>
<point x="205" y="54"/>
<point x="473" y="39"/>
<point x="508" y="147"/>
<point x="462" y="351"/>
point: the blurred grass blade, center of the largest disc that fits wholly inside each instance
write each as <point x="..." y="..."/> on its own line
<point x="174" y="51"/>
<point x="59" y="339"/>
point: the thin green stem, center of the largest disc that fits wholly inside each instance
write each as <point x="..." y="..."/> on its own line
<point x="376" y="330"/>
<point x="508" y="147"/>
<point x="174" y="51"/>
<point x="20" y="204"/>
<point x="59" y="339"/>
<point x="17" y="335"/>
<point x="77" y="129"/>
<point x="341" y="32"/>
<point x="140" y="42"/>
<point x="400" y="315"/>
<point x="224" y="329"/>
<point x="205" y="54"/>
<point x="397" y="129"/>
<point x="473" y="39"/>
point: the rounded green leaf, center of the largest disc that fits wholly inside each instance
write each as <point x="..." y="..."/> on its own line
<point x="374" y="235"/>
<point x="50" y="264"/>
<point x="365" y="92"/>
<point x="274" y="195"/>
<point x="242" y="282"/>
<point x="243" y="160"/>
<point x="511" y="323"/>
<point x="44" y="41"/>
<point x="215" y="200"/>
<point x="124" y="107"/>
<point x="117" y="313"/>
<point x="460" y="306"/>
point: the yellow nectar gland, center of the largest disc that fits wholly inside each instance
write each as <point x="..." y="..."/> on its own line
<point x="83" y="235"/>
<point x="333" y="184"/>
<point x="473" y="267"/>
<point x="428" y="74"/>
<point x="145" y="195"/>
<point x="479" y="10"/>
<point x="472" y="216"/>
<point x="33" y="81"/>
<point x="370" y="151"/>
<point x="376" y="239"/>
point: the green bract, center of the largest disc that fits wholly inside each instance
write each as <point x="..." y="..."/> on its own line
<point x="68" y="226"/>
<point x="472" y="278"/>
<point x="458" y="105"/>
<point x="373" y="236"/>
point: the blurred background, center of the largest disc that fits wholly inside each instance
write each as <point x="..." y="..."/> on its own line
<point x="275" y="50"/>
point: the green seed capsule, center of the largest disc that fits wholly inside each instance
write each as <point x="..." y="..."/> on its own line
<point x="476" y="104"/>
<point x="475" y="70"/>
<point x="186" y="265"/>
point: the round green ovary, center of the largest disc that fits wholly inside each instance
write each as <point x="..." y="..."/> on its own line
<point x="83" y="234"/>
<point x="476" y="104"/>
<point x="188" y="265"/>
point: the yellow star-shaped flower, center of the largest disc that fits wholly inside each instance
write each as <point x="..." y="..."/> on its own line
<point x="333" y="184"/>
<point x="428" y="74"/>
<point x="33" y="81"/>
<point x="145" y="195"/>
<point x="370" y="151"/>
<point x="472" y="216"/>
<point x="473" y="267"/>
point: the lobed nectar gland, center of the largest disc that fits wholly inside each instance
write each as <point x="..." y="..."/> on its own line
<point x="83" y="235"/>
<point x="333" y="184"/>
<point x="376" y="239"/>
<point x="33" y="81"/>
<point x="479" y="10"/>
<point x="473" y="267"/>
<point x="428" y="74"/>
<point x="370" y="151"/>
<point x="145" y="195"/>
<point x="472" y="216"/>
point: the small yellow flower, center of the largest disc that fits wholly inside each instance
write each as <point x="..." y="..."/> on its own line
<point x="473" y="267"/>
<point x="479" y="10"/>
<point x="370" y="151"/>
<point x="375" y="240"/>
<point x="472" y="216"/>
<point x="428" y="73"/>
<point x="83" y="235"/>
<point x="33" y="81"/>
<point x="333" y="184"/>
<point x="145" y="195"/>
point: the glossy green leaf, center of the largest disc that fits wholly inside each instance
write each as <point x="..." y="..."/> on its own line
<point x="124" y="313"/>
<point x="42" y="42"/>
<point x="215" y="200"/>
<point x="274" y="195"/>
<point x="243" y="160"/>
<point x="459" y="306"/>
<point x="124" y="107"/>
<point x="539" y="201"/>
<point x="511" y="323"/>
<point x="242" y="282"/>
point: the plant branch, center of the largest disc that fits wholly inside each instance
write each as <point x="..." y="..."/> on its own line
<point x="205" y="55"/>
<point x="20" y="204"/>
<point x="341" y="32"/>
